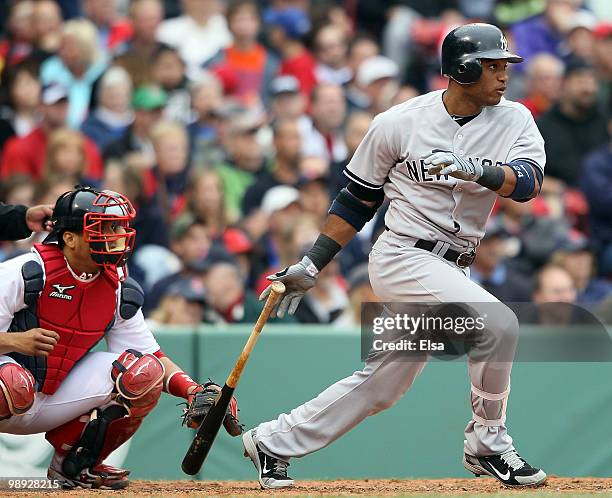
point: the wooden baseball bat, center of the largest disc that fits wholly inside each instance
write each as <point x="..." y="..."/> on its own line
<point x="204" y="438"/>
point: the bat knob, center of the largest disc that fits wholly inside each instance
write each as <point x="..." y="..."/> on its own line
<point x="278" y="287"/>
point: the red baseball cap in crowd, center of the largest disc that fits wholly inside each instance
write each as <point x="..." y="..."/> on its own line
<point x="603" y="30"/>
<point x="236" y="241"/>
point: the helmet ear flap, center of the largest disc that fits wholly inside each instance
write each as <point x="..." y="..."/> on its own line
<point x="468" y="71"/>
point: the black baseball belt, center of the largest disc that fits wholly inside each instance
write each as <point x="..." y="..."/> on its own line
<point x="462" y="259"/>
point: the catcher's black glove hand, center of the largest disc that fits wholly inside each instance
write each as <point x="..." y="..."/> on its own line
<point x="200" y="402"/>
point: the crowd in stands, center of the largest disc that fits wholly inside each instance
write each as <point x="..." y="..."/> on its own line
<point x="228" y="124"/>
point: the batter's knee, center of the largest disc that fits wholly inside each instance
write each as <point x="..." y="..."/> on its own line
<point x="16" y="390"/>
<point x="138" y="380"/>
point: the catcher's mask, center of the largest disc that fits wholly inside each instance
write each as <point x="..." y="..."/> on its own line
<point x="104" y="219"/>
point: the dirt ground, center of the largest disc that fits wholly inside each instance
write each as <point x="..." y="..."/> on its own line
<point x="375" y="487"/>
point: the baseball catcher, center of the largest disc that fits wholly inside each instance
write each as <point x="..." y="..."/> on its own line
<point x="56" y="304"/>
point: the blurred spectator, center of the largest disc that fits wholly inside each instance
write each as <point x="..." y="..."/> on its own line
<point x="150" y="225"/>
<point x="596" y="183"/>
<point x="554" y="285"/>
<point x="544" y="76"/>
<point x="190" y="242"/>
<point x="183" y="304"/>
<point x="26" y="155"/>
<point x="227" y="296"/>
<point x="136" y="55"/>
<point x="17" y="44"/>
<point x="111" y="119"/>
<point x="287" y="28"/>
<point x="313" y="167"/>
<point x="239" y="245"/>
<point x="205" y="200"/>
<point x="134" y="146"/>
<point x="18" y="189"/>
<point x="404" y="94"/>
<point x="360" y="49"/>
<point x="66" y="156"/>
<point x="554" y="292"/>
<point x="603" y="60"/>
<point x="245" y="160"/>
<point x="22" y="93"/>
<point x="207" y="102"/>
<point x="77" y="67"/>
<point x="169" y="75"/>
<point x="377" y="82"/>
<point x="329" y="13"/>
<point x="49" y="189"/>
<point x="576" y="257"/>
<point x="284" y="168"/>
<point x="281" y="211"/>
<point x="314" y="197"/>
<point x="331" y="50"/>
<point x="198" y="34"/>
<point x="357" y="126"/>
<point x="491" y="272"/>
<point x="289" y="230"/>
<point x="167" y="181"/>
<point x="323" y="136"/>
<point x="112" y="31"/>
<point x="575" y="125"/>
<point x="286" y="101"/>
<point x="579" y="36"/>
<point x="544" y="33"/>
<point x="47" y="27"/>
<point x="534" y="237"/>
<point x="326" y="301"/>
<point x="359" y="291"/>
<point x="246" y="67"/>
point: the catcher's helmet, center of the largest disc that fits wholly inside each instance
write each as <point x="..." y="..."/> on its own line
<point x="103" y="217"/>
<point x="464" y="46"/>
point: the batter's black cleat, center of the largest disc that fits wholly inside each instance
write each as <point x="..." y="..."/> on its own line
<point x="508" y="468"/>
<point x="272" y="471"/>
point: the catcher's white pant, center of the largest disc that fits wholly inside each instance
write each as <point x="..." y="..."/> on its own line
<point x="87" y="386"/>
<point x="399" y="272"/>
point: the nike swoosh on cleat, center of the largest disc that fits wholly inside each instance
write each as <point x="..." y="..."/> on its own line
<point x="503" y="477"/>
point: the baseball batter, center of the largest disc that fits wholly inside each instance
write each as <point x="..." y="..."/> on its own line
<point x="441" y="159"/>
<point x="56" y="303"/>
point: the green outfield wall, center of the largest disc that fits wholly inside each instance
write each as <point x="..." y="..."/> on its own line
<point x="560" y="414"/>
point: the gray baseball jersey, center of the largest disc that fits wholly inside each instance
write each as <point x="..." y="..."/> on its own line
<point x="441" y="208"/>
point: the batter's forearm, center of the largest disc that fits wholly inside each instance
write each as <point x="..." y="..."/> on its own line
<point x="509" y="182"/>
<point x="338" y="229"/>
<point x="336" y="233"/>
<point x="518" y="180"/>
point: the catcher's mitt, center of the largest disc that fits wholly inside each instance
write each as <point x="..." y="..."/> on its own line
<point x="200" y="403"/>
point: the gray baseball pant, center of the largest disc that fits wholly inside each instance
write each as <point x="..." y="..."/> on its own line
<point x="400" y="272"/>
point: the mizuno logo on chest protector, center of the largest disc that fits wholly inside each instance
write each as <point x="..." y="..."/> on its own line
<point x="60" y="292"/>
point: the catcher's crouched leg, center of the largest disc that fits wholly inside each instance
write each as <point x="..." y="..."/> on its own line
<point x="16" y="390"/>
<point x="83" y="443"/>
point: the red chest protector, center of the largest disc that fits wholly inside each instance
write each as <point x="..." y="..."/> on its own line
<point x="80" y="312"/>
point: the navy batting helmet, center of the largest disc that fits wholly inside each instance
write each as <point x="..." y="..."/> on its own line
<point x="464" y="46"/>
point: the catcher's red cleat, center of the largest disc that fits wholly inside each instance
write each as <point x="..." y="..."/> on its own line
<point x="100" y="476"/>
